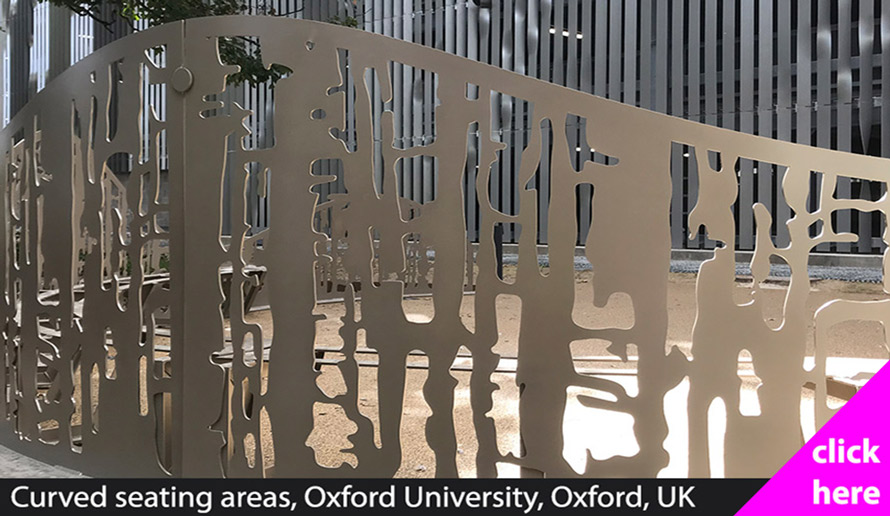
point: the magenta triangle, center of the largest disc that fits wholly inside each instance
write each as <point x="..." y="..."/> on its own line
<point x="792" y="491"/>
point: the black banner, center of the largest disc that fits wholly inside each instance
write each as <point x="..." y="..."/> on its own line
<point x="279" y="496"/>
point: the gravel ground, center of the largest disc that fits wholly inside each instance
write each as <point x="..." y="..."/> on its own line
<point x="816" y="272"/>
<point x="601" y="437"/>
<point x="607" y="434"/>
<point x="16" y="465"/>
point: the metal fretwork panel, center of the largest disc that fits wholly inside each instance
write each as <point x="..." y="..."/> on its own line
<point x="89" y="376"/>
<point x="129" y="348"/>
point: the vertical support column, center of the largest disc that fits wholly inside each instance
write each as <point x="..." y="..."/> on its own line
<point x="804" y="104"/>
<point x="646" y="54"/>
<point x="783" y="117"/>
<point x="194" y="270"/>
<point x="823" y="85"/>
<point x="21" y="27"/>
<point x="866" y="113"/>
<point x="728" y="118"/>
<point x="679" y="239"/>
<point x="59" y="40"/>
<point x="3" y="85"/>
<point x="746" y="122"/>
<point x="176" y="148"/>
<point x="765" y="105"/>
<point x="844" y="115"/>
<point x="885" y="113"/>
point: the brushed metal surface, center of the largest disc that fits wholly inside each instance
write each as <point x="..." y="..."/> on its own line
<point x="98" y="260"/>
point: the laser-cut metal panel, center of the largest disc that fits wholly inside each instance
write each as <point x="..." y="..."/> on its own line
<point x="355" y="210"/>
<point x="87" y="379"/>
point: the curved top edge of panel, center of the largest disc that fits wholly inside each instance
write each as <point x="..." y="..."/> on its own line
<point x="648" y="126"/>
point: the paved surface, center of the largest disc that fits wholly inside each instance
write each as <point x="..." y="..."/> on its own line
<point x="16" y="465"/>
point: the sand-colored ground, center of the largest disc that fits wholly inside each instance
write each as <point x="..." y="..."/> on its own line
<point x="604" y="433"/>
<point x="852" y="339"/>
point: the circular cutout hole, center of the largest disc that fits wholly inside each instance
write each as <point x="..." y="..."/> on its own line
<point x="319" y="114"/>
<point x="310" y="45"/>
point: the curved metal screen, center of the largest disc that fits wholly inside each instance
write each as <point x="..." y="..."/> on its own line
<point x="132" y="255"/>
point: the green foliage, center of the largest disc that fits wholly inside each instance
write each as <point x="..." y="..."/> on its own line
<point x="245" y="52"/>
<point x="163" y="265"/>
<point x="242" y="51"/>
<point x="348" y="21"/>
<point x="156" y="12"/>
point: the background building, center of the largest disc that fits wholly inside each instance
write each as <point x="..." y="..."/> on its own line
<point x="809" y="71"/>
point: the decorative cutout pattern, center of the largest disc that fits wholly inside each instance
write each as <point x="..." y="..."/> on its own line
<point x="126" y="283"/>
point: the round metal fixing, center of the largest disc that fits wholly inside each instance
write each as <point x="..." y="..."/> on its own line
<point x="182" y="79"/>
